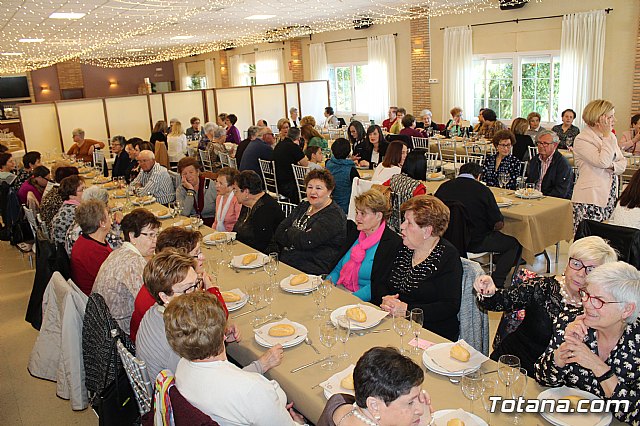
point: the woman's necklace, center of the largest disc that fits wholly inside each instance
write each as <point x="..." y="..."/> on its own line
<point x="310" y="210"/>
<point x="566" y="299"/>
<point x="362" y="417"/>
<point x="418" y="255"/>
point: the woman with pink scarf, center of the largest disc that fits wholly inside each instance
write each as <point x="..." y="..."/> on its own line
<point x="370" y="248"/>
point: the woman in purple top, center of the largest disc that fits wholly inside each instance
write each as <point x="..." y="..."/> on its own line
<point x="409" y="123"/>
<point x="36" y="184"/>
<point x="233" y="134"/>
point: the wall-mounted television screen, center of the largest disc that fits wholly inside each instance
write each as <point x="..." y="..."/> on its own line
<point x="14" y="87"/>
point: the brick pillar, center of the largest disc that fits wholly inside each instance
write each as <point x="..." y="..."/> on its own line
<point x="70" y="75"/>
<point x="224" y="68"/>
<point x="635" y="96"/>
<point x="296" y="60"/>
<point x="420" y="64"/>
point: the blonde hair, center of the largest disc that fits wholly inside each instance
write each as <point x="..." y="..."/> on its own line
<point x="281" y="123"/>
<point x="308" y="119"/>
<point x="77" y="132"/>
<point x="533" y="114"/>
<point x="166" y="269"/>
<point x="596" y="109"/>
<point x="455" y="111"/>
<point x="593" y="248"/>
<point x="519" y="126"/>
<point x="428" y="211"/>
<point x="176" y="128"/>
<point x="375" y="201"/>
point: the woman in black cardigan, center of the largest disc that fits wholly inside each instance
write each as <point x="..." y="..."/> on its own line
<point x="370" y="248"/>
<point x="376" y="148"/>
<point x="312" y="236"/>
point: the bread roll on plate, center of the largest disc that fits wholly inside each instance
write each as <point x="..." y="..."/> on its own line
<point x="357" y="314"/>
<point x="249" y="258"/>
<point x="230" y="297"/>
<point x="282" y="330"/>
<point x="460" y="353"/>
<point x="455" y="422"/>
<point x="299" y="279"/>
<point x="347" y="382"/>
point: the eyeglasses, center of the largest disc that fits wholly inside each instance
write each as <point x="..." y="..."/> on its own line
<point x="189" y="289"/>
<point x="596" y="302"/>
<point x="504" y="145"/>
<point x="152" y="235"/>
<point x="545" y="144"/>
<point x="577" y="265"/>
<point x="198" y="256"/>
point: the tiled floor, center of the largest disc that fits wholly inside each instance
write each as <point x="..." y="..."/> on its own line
<point x="25" y="400"/>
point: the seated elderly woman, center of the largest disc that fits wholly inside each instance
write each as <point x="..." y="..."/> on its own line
<point x="120" y="276"/>
<point x="312" y="137"/>
<point x="387" y="393"/>
<point x="260" y="214"/>
<point x="216" y="146"/>
<point x="71" y="189"/>
<point x="195" y="325"/>
<point x="227" y="205"/>
<point x="312" y="236"/>
<point x="197" y="193"/>
<point x="393" y="161"/>
<point x="283" y="128"/>
<point x="51" y="200"/>
<point x="534" y="125"/>
<point x="502" y="163"/>
<point x="169" y="274"/>
<point x="408" y="183"/>
<point x="427" y="272"/>
<point x="207" y="137"/>
<point x="35" y="184"/>
<point x="91" y="248"/>
<point x="629" y="139"/>
<point x="371" y="247"/>
<point x="454" y="125"/>
<point x="427" y="121"/>
<point x="598" y="351"/>
<point x="544" y="298"/>
<point x="8" y="170"/>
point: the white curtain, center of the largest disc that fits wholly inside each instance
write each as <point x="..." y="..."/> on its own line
<point x="183" y="77"/>
<point x="381" y="76"/>
<point x="210" y="73"/>
<point x="458" y="69"/>
<point x="581" y="60"/>
<point x="269" y="67"/>
<point x="318" y="62"/>
<point x="236" y="72"/>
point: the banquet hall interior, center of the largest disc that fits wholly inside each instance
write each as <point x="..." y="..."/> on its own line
<point x="117" y="68"/>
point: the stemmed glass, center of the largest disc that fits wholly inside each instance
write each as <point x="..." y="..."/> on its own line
<point x="344" y="329"/>
<point x="401" y="325"/>
<point x="317" y="299"/>
<point x="173" y="211"/>
<point x="195" y="222"/>
<point x="178" y="205"/>
<point x="472" y="385"/>
<point x="518" y="388"/>
<point x="508" y="370"/>
<point x="489" y="389"/>
<point x="325" y="287"/>
<point x="255" y="292"/>
<point x="328" y="337"/>
<point x="271" y="267"/>
<point x="503" y="179"/>
<point x="268" y="296"/>
<point x="417" y="319"/>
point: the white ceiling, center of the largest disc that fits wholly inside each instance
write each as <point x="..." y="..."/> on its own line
<point x="111" y="27"/>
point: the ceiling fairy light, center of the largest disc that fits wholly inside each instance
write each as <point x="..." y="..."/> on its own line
<point x="125" y="33"/>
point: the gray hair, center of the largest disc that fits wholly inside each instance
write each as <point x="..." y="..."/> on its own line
<point x="293" y="133"/>
<point x="209" y="126"/>
<point x="554" y="136"/>
<point x="219" y="131"/>
<point x="426" y="112"/>
<point x="593" y="249"/>
<point x="252" y="132"/>
<point x="622" y="281"/>
<point x="292" y="110"/>
<point x="173" y="120"/>
<point x="95" y="193"/>
<point x="147" y="153"/>
<point x="77" y="132"/>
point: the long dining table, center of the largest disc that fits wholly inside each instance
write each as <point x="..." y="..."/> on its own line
<point x="302" y="386"/>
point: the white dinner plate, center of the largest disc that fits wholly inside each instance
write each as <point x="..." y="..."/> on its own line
<point x="164" y="216"/>
<point x="291" y="343"/>
<point x="207" y="239"/>
<point x="236" y="262"/>
<point x="435" y="368"/>
<point x="310" y="285"/>
<point x="573" y="419"/>
<point x="521" y="193"/>
<point x="440" y="176"/>
<point x="371" y="312"/>
<point x="234" y="306"/>
<point x="142" y="201"/>
<point x="441" y="413"/>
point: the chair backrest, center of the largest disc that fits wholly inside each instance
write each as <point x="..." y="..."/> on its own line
<point x="287" y="208"/>
<point x="269" y="176"/>
<point x="205" y="159"/>
<point x="31" y="218"/>
<point x="32" y="201"/>
<point x="98" y="159"/>
<point x="42" y="226"/>
<point x="626" y="241"/>
<point x="138" y="377"/>
<point x="185" y="414"/>
<point x="420" y="142"/>
<point x="447" y="149"/>
<point x="233" y="163"/>
<point x="191" y="151"/>
<point x="460" y="160"/>
<point x="434" y="161"/>
<point x="523" y="168"/>
<point x="300" y="172"/>
<point x="402" y="138"/>
<point x="176" y="179"/>
<point x="224" y="159"/>
<point x="533" y="151"/>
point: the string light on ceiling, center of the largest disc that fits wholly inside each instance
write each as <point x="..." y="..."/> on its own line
<point x="125" y="33"/>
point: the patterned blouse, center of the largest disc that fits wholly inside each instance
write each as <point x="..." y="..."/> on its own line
<point x="571" y="132"/>
<point x="404" y="187"/>
<point x="624" y="360"/>
<point x="62" y="221"/>
<point x="119" y="280"/>
<point x="49" y="205"/>
<point x="509" y="164"/>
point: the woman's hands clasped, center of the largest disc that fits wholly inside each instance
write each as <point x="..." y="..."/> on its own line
<point x="484" y="286"/>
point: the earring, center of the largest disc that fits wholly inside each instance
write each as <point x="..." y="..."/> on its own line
<point x="377" y="417"/>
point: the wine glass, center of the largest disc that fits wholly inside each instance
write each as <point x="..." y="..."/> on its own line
<point x="503" y="179"/>
<point x="271" y="267"/>
<point x="195" y="222"/>
<point x="325" y="287"/>
<point x="471" y="385"/>
<point x="401" y="325"/>
<point x="489" y="389"/>
<point x="417" y="319"/>
<point x="268" y="296"/>
<point x="179" y="206"/>
<point x="344" y="330"/>
<point x="518" y="388"/>
<point x="256" y="293"/>
<point x="508" y="370"/>
<point x="317" y="299"/>
<point x="328" y="337"/>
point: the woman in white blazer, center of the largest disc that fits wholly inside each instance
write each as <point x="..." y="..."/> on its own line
<point x="600" y="161"/>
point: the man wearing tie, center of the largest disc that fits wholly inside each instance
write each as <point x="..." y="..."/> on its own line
<point x="293" y="113"/>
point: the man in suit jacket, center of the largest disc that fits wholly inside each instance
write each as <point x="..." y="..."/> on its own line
<point x="485" y="217"/>
<point x="121" y="162"/>
<point x="549" y="170"/>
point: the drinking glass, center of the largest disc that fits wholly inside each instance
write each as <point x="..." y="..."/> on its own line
<point x="317" y="299"/>
<point x="344" y="329"/>
<point x="472" y="385"/>
<point x="255" y="292"/>
<point x="268" y="296"/>
<point x="489" y="389"/>
<point x="417" y="319"/>
<point x="325" y="287"/>
<point x="401" y="325"/>
<point x="503" y="179"/>
<point x="508" y="370"/>
<point x="271" y="267"/>
<point x="195" y="222"/>
<point x="178" y="205"/>
<point x="328" y="337"/>
<point x="518" y="388"/>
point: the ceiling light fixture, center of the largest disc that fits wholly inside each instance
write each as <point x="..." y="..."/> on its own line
<point x="134" y="50"/>
<point x="11" y="53"/>
<point x="67" y="15"/>
<point x="181" y="37"/>
<point x="31" y="40"/>
<point x="252" y="17"/>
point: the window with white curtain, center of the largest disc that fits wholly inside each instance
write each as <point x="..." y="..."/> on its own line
<point x="248" y="74"/>
<point x="515" y="84"/>
<point x="348" y="88"/>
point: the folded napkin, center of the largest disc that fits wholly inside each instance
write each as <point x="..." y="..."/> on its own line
<point x="374" y="316"/>
<point x="332" y="384"/>
<point x="263" y="332"/>
<point x="239" y="293"/>
<point x="308" y="286"/>
<point x="237" y="261"/>
<point x="440" y="355"/>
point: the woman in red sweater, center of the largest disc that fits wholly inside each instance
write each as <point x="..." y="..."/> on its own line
<point x="91" y="248"/>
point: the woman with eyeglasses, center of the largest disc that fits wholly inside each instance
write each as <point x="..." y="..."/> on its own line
<point x="503" y="161"/>
<point x="120" y="276"/>
<point x="599" y="351"/>
<point x="543" y="299"/>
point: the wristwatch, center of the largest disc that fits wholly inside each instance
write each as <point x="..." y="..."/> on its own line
<point x="609" y="374"/>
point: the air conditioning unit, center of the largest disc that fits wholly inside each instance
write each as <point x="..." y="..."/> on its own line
<point x="512" y="4"/>
<point x="362" y="23"/>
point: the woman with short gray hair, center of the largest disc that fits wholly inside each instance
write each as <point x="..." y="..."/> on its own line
<point x="208" y="136"/>
<point x="427" y="121"/>
<point x="598" y="351"/>
<point x="216" y="147"/>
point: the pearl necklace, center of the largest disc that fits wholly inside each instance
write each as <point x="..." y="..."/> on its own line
<point x="566" y="299"/>
<point x="361" y="417"/>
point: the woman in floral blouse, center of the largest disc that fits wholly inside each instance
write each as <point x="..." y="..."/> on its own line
<point x="543" y="298"/>
<point x="71" y="189"/>
<point x="598" y="351"/>
<point x="502" y="161"/>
